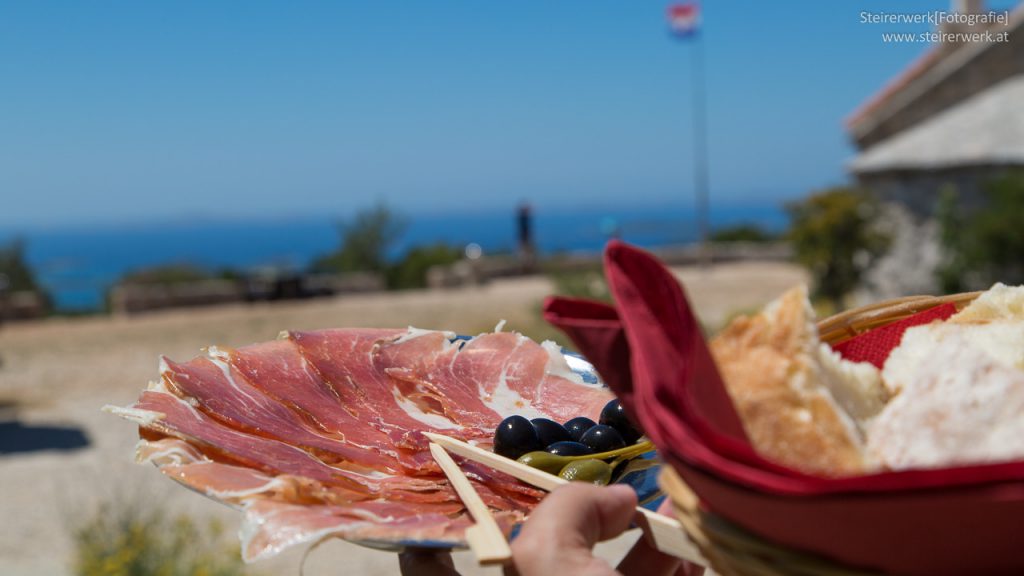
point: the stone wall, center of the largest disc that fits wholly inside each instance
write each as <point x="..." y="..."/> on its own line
<point x="919" y="190"/>
<point x="910" y="200"/>
<point x="910" y="265"/>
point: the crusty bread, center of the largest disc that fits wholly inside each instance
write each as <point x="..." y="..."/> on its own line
<point x="1000" y="302"/>
<point x="951" y="393"/>
<point x="959" y="388"/>
<point x="957" y="403"/>
<point x="1002" y="341"/>
<point x="801" y="405"/>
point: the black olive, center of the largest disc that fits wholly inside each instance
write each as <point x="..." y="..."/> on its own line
<point x="569" y="449"/>
<point x="516" y="436"/>
<point x="603" y="438"/>
<point x="550" y="431"/>
<point x="577" y="426"/>
<point x="614" y="415"/>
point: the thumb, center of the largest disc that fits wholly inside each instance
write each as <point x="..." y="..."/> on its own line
<point x="562" y="530"/>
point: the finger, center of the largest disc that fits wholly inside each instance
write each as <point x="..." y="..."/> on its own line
<point x="426" y="562"/>
<point x="562" y="530"/>
<point x="617" y="508"/>
<point x="593" y="512"/>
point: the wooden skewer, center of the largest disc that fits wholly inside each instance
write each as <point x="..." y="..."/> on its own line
<point x="485" y="538"/>
<point x="664" y="533"/>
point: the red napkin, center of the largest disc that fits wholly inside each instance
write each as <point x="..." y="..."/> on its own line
<point x="949" y="521"/>
<point x="874" y="346"/>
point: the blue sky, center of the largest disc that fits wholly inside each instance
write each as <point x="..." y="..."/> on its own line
<point x="115" y="112"/>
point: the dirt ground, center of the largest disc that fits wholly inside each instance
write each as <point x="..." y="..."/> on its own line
<point x="56" y="375"/>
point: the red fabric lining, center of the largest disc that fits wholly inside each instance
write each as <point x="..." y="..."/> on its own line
<point x="875" y="345"/>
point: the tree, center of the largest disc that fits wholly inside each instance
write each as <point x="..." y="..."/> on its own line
<point x="365" y="242"/>
<point x="411" y="270"/>
<point x="834" y="236"/>
<point x="985" y="245"/>
<point x="952" y="272"/>
<point x="17" y="274"/>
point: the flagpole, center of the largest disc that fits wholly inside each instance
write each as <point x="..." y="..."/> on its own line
<point x="700" y="148"/>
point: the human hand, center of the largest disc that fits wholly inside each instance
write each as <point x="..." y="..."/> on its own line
<point x="560" y="535"/>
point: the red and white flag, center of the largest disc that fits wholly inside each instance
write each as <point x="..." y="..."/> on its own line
<point x="684" y="18"/>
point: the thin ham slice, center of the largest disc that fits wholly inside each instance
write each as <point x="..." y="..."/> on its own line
<point x="224" y="394"/>
<point x="345" y="360"/>
<point x="428" y="365"/>
<point x="320" y="433"/>
<point x="171" y="415"/>
<point x="223" y="481"/>
<point x="506" y="373"/>
<point x="280" y="370"/>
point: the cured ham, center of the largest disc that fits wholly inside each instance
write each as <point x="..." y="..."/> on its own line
<point x="320" y="433"/>
<point x="272" y="526"/>
<point x="225" y="395"/>
<point x="506" y="373"/>
<point x="345" y="361"/>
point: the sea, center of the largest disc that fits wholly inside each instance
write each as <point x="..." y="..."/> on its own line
<point x="78" y="265"/>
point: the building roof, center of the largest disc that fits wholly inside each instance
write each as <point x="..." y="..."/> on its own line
<point x="985" y="129"/>
<point x="915" y="70"/>
<point x="942" y="63"/>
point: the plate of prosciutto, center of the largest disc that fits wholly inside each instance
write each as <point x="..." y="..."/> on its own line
<point x="320" y="434"/>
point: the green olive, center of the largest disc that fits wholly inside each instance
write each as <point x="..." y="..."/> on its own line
<point x="628" y="452"/>
<point x="590" y="470"/>
<point x="546" y="461"/>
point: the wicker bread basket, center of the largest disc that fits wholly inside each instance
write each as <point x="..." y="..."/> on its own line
<point x="733" y="551"/>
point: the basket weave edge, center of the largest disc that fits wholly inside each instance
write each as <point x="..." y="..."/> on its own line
<point x="850" y="323"/>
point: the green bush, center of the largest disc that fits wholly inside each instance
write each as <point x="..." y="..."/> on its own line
<point x="411" y="270"/>
<point x="17" y="276"/>
<point x="986" y="245"/>
<point x="133" y="539"/>
<point x="365" y="241"/>
<point x="742" y="233"/>
<point x="15" y="268"/>
<point x="834" y="236"/>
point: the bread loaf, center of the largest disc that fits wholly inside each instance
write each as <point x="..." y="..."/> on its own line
<point x="801" y="405"/>
<point x="961" y="406"/>
<point x="951" y="393"/>
<point x="959" y="389"/>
